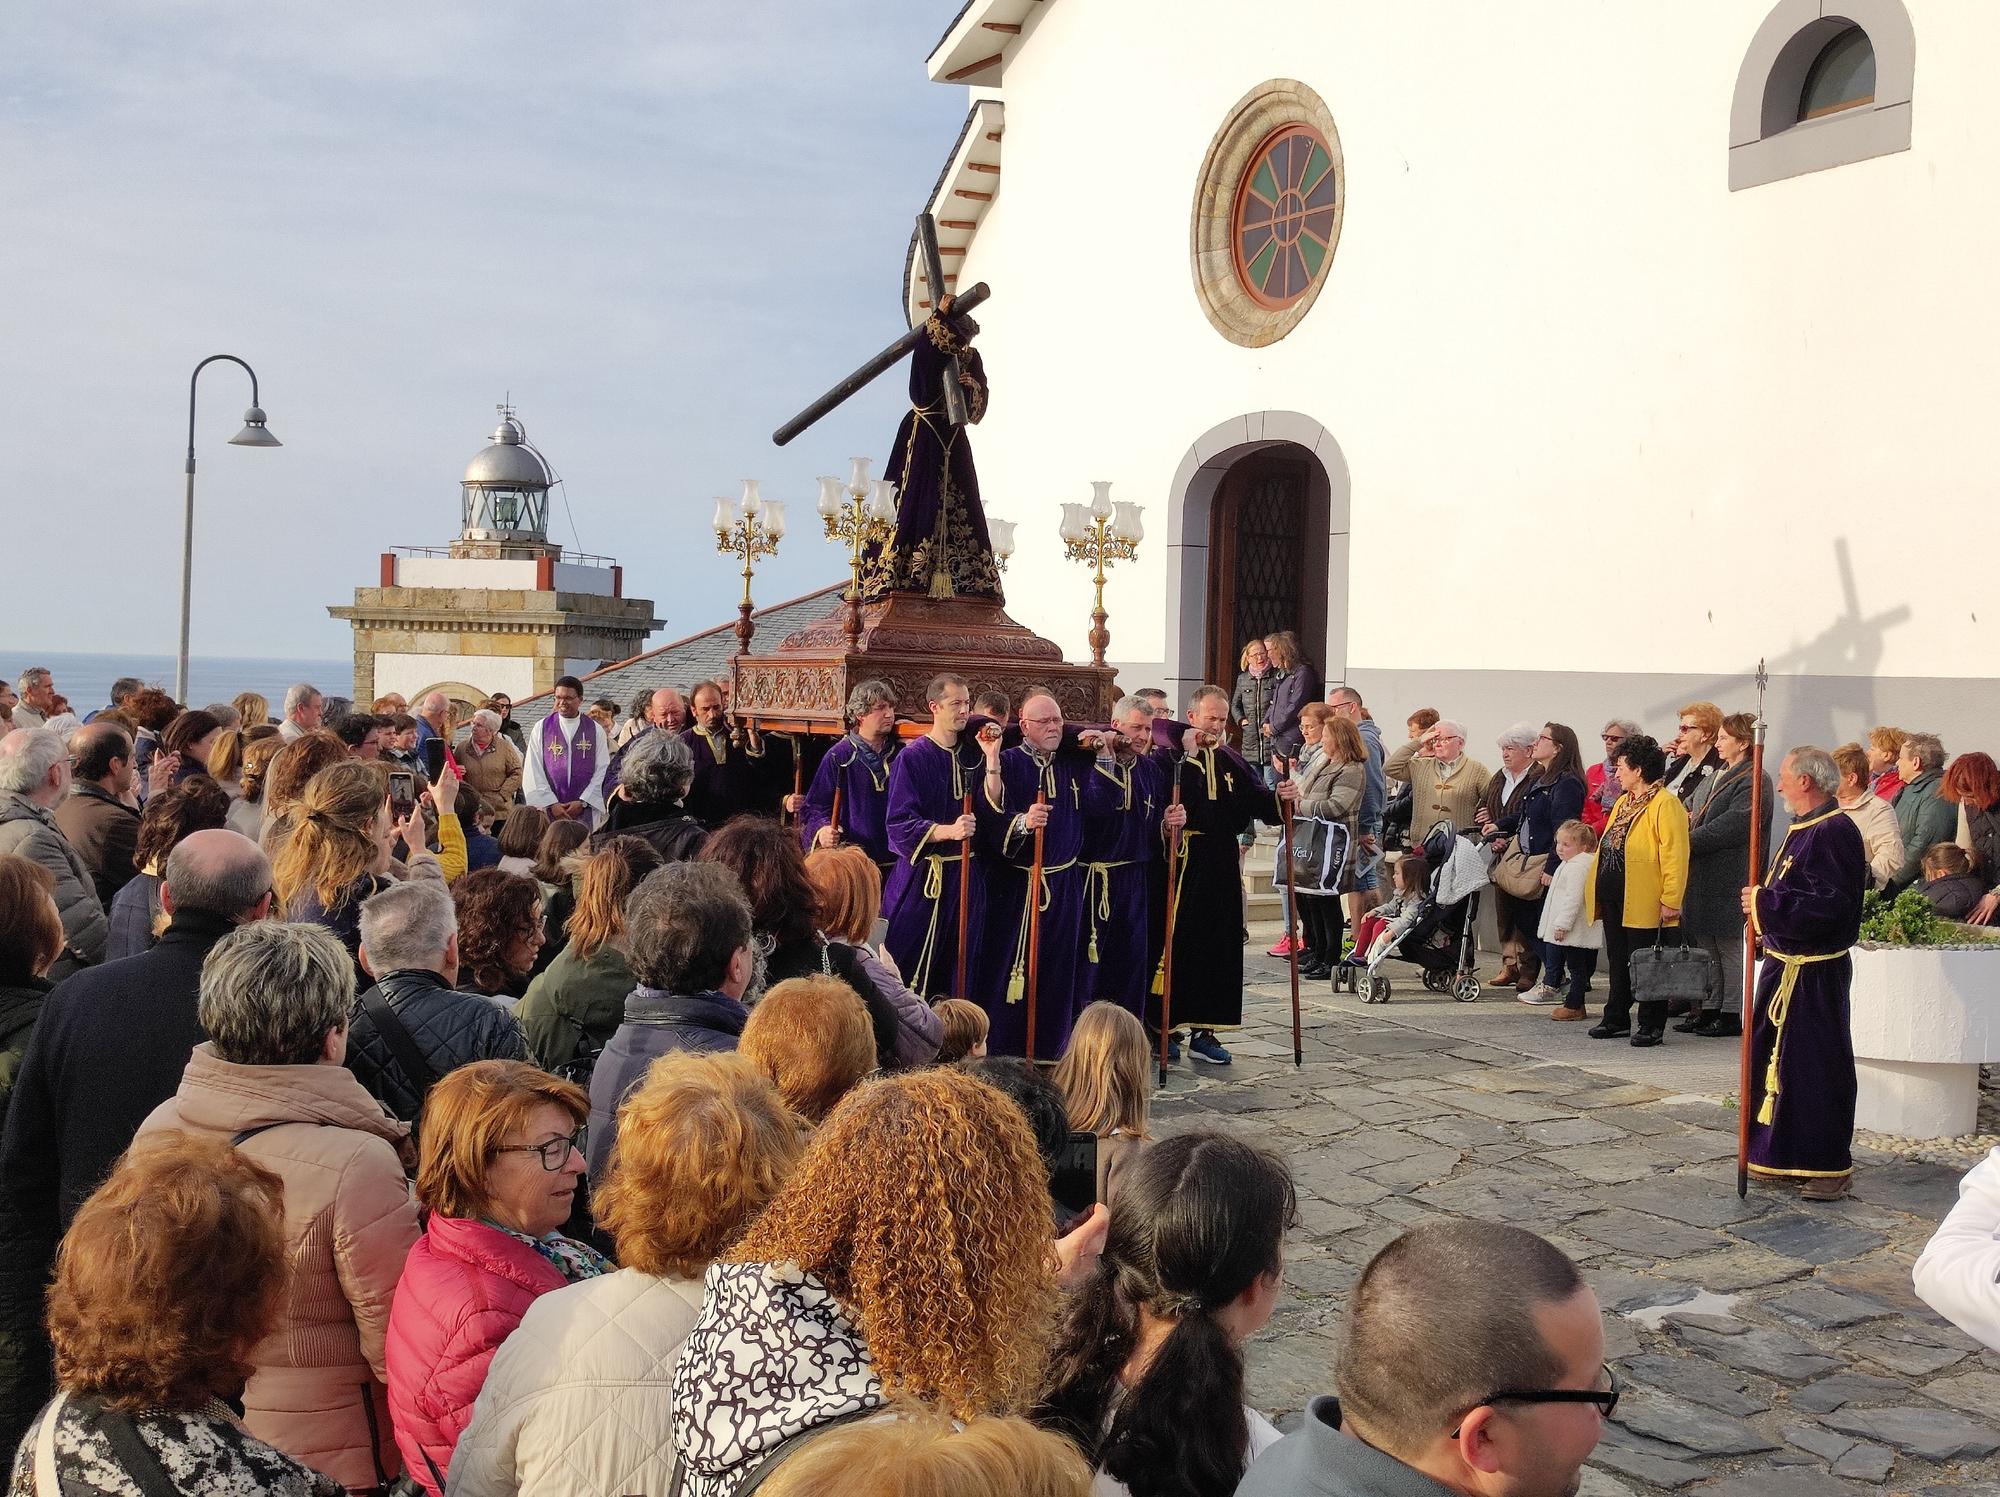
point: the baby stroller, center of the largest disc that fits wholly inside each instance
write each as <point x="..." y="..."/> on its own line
<point x="1440" y="936"/>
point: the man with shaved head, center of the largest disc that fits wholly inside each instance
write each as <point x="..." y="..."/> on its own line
<point x="109" y="1047"/>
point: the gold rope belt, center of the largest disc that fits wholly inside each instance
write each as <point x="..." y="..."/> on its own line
<point x="1178" y="877"/>
<point x="1017" y="980"/>
<point x="1779" y="1011"/>
<point x="934" y="892"/>
<point x="1097" y="897"/>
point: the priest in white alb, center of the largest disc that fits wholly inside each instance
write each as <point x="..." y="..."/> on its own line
<point x="567" y="756"/>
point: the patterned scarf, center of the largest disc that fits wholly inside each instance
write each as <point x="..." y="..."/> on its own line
<point x="574" y="1260"/>
<point x="1621" y="824"/>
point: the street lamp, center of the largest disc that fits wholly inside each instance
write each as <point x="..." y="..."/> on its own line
<point x="1097" y="534"/>
<point x="1001" y="533"/>
<point x="254" y="434"/>
<point x="860" y="513"/>
<point x="750" y="528"/>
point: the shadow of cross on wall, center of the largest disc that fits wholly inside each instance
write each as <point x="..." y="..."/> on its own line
<point x="1823" y="691"/>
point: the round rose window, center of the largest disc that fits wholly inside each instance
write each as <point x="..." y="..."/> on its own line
<point x="1285" y="222"/>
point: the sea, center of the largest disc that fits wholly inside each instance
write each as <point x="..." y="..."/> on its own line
<point x="86" y="679"/>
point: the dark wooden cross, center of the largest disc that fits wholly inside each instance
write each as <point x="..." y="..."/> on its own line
<point x="954" y="393"/>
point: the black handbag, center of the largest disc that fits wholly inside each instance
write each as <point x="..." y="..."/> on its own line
<point x="1674" y="974"/>
<point x="1320" y="850"/>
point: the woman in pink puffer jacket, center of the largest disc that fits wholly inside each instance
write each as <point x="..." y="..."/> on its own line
<point x="501" y="1154"/>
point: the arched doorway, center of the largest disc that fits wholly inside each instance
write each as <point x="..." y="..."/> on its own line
<point x="1258" y="536"/>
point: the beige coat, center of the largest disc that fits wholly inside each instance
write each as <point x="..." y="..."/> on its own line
<point x="495" y="774"/>
<point x="1436" y="796"/>
<point x="349" y="1223"/>
<point x="1881" y="836"/>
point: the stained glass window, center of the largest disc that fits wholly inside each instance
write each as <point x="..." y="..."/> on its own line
<point x="1284" y="220"/>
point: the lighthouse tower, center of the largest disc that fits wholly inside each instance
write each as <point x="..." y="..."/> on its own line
<point x="502" y="608"/>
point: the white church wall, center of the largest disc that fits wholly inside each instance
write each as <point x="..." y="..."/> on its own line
<point x="412" y="673"/>
<point x="1602" y="415"/>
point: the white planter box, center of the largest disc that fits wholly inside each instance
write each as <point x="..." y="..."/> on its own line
<point x="1923" y="1019"/>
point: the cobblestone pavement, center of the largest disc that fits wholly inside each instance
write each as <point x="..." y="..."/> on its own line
<point x="1770" y="1348"/>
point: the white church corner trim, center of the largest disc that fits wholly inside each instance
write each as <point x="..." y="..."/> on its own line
<point x="1776" y="131"/>
<point x="1269" y="202"/>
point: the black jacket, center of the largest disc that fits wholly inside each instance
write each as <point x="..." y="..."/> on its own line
<point x="675" y="835"/>
<point x="1719" y="854"/>
<point x="109" y="1046"/>
<point x="655" y="1024"/>
<point x="820" y="957"/>
<point x="451" y="1029"/>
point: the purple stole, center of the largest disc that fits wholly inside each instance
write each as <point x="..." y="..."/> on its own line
<point x="568" y="769"/>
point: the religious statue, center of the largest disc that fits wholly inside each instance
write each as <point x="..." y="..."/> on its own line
<point x="940" y="546"/>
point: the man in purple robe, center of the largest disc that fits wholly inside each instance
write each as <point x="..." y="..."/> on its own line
<point x="725" y="767"/>
<point x="567" y="758"/>
<point x="930" y="829"/>
<point x="1806" y="915"/>
<point x="1039" y="785"/>
<point x="857" y="768"/>
<point x="1121" y="842"/>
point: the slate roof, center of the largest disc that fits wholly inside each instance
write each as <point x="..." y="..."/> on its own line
<point x="686" y="661"/>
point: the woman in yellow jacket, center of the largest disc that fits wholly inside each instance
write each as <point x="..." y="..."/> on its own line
<point x="1637" y="881"/>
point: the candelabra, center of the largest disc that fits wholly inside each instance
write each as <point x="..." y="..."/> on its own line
<point x="857" y="512"/>
<point x="750" y="528"/>
<point x="1098" y="534"/>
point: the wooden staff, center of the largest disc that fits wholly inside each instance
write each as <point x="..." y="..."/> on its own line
<point x="833" y="821"/>
<point x="1743" y="1076"/>
<point x="1173" y="912"/>
<point x="798" y="780"/>
<point x="964" y="900"/>
<point x="1291" y="918"/>
<point x="1035" y="925"/>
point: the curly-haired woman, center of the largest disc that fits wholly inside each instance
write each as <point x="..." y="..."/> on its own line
<point x="908" y="1257"/>
<point x="499" y="932"/>
<point x="1190" y="1272"/>
<point x="702" y="1144"/>
<point x="171" y="1272"/>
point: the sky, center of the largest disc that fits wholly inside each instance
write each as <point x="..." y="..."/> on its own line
<point x="660" y="229"/>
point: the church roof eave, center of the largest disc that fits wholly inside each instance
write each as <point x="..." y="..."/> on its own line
<point x="965" y="189"/>
<point x="974" y="47"/>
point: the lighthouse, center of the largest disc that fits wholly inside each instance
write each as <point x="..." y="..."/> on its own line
<point x="502" y="608"/>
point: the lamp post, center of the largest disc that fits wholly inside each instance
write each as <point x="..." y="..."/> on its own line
<point x="254" y="434"/>
<point x="857" y="512"/>
<point x="750" y="528"/>
<point x="1098" y="534"/>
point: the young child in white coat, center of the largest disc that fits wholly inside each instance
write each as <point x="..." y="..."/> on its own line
<point x="1569" y="942"/>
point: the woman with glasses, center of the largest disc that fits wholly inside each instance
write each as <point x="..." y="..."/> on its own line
<point x="1600" y="783"/>
<point x="498" y="1168"/>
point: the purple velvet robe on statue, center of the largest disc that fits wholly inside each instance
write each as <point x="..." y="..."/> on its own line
<point x="1808" y="913"/>
<point x="927" y="786"/>
<point x="1121" y="842"/>
<point x="940" y="547"/>
<point x="1074" y="788"/>
<point x="864" y="798"/>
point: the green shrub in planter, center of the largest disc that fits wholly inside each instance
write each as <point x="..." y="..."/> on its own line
<point x="1909" y="920"/>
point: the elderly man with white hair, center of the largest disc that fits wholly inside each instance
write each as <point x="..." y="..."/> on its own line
<point x="1806" y="915"/>
<point x="490" y="764"/>
<point x="37" y="703"/>
<point x="303" y="706"/>
<point x="34" y="778"/>
<point x="1446" y="783"/>
<point x="433" y="718"/>
<point x="1498" y="813"/>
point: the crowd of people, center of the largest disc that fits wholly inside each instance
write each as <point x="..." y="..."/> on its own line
<point x="656" y="1145"/>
